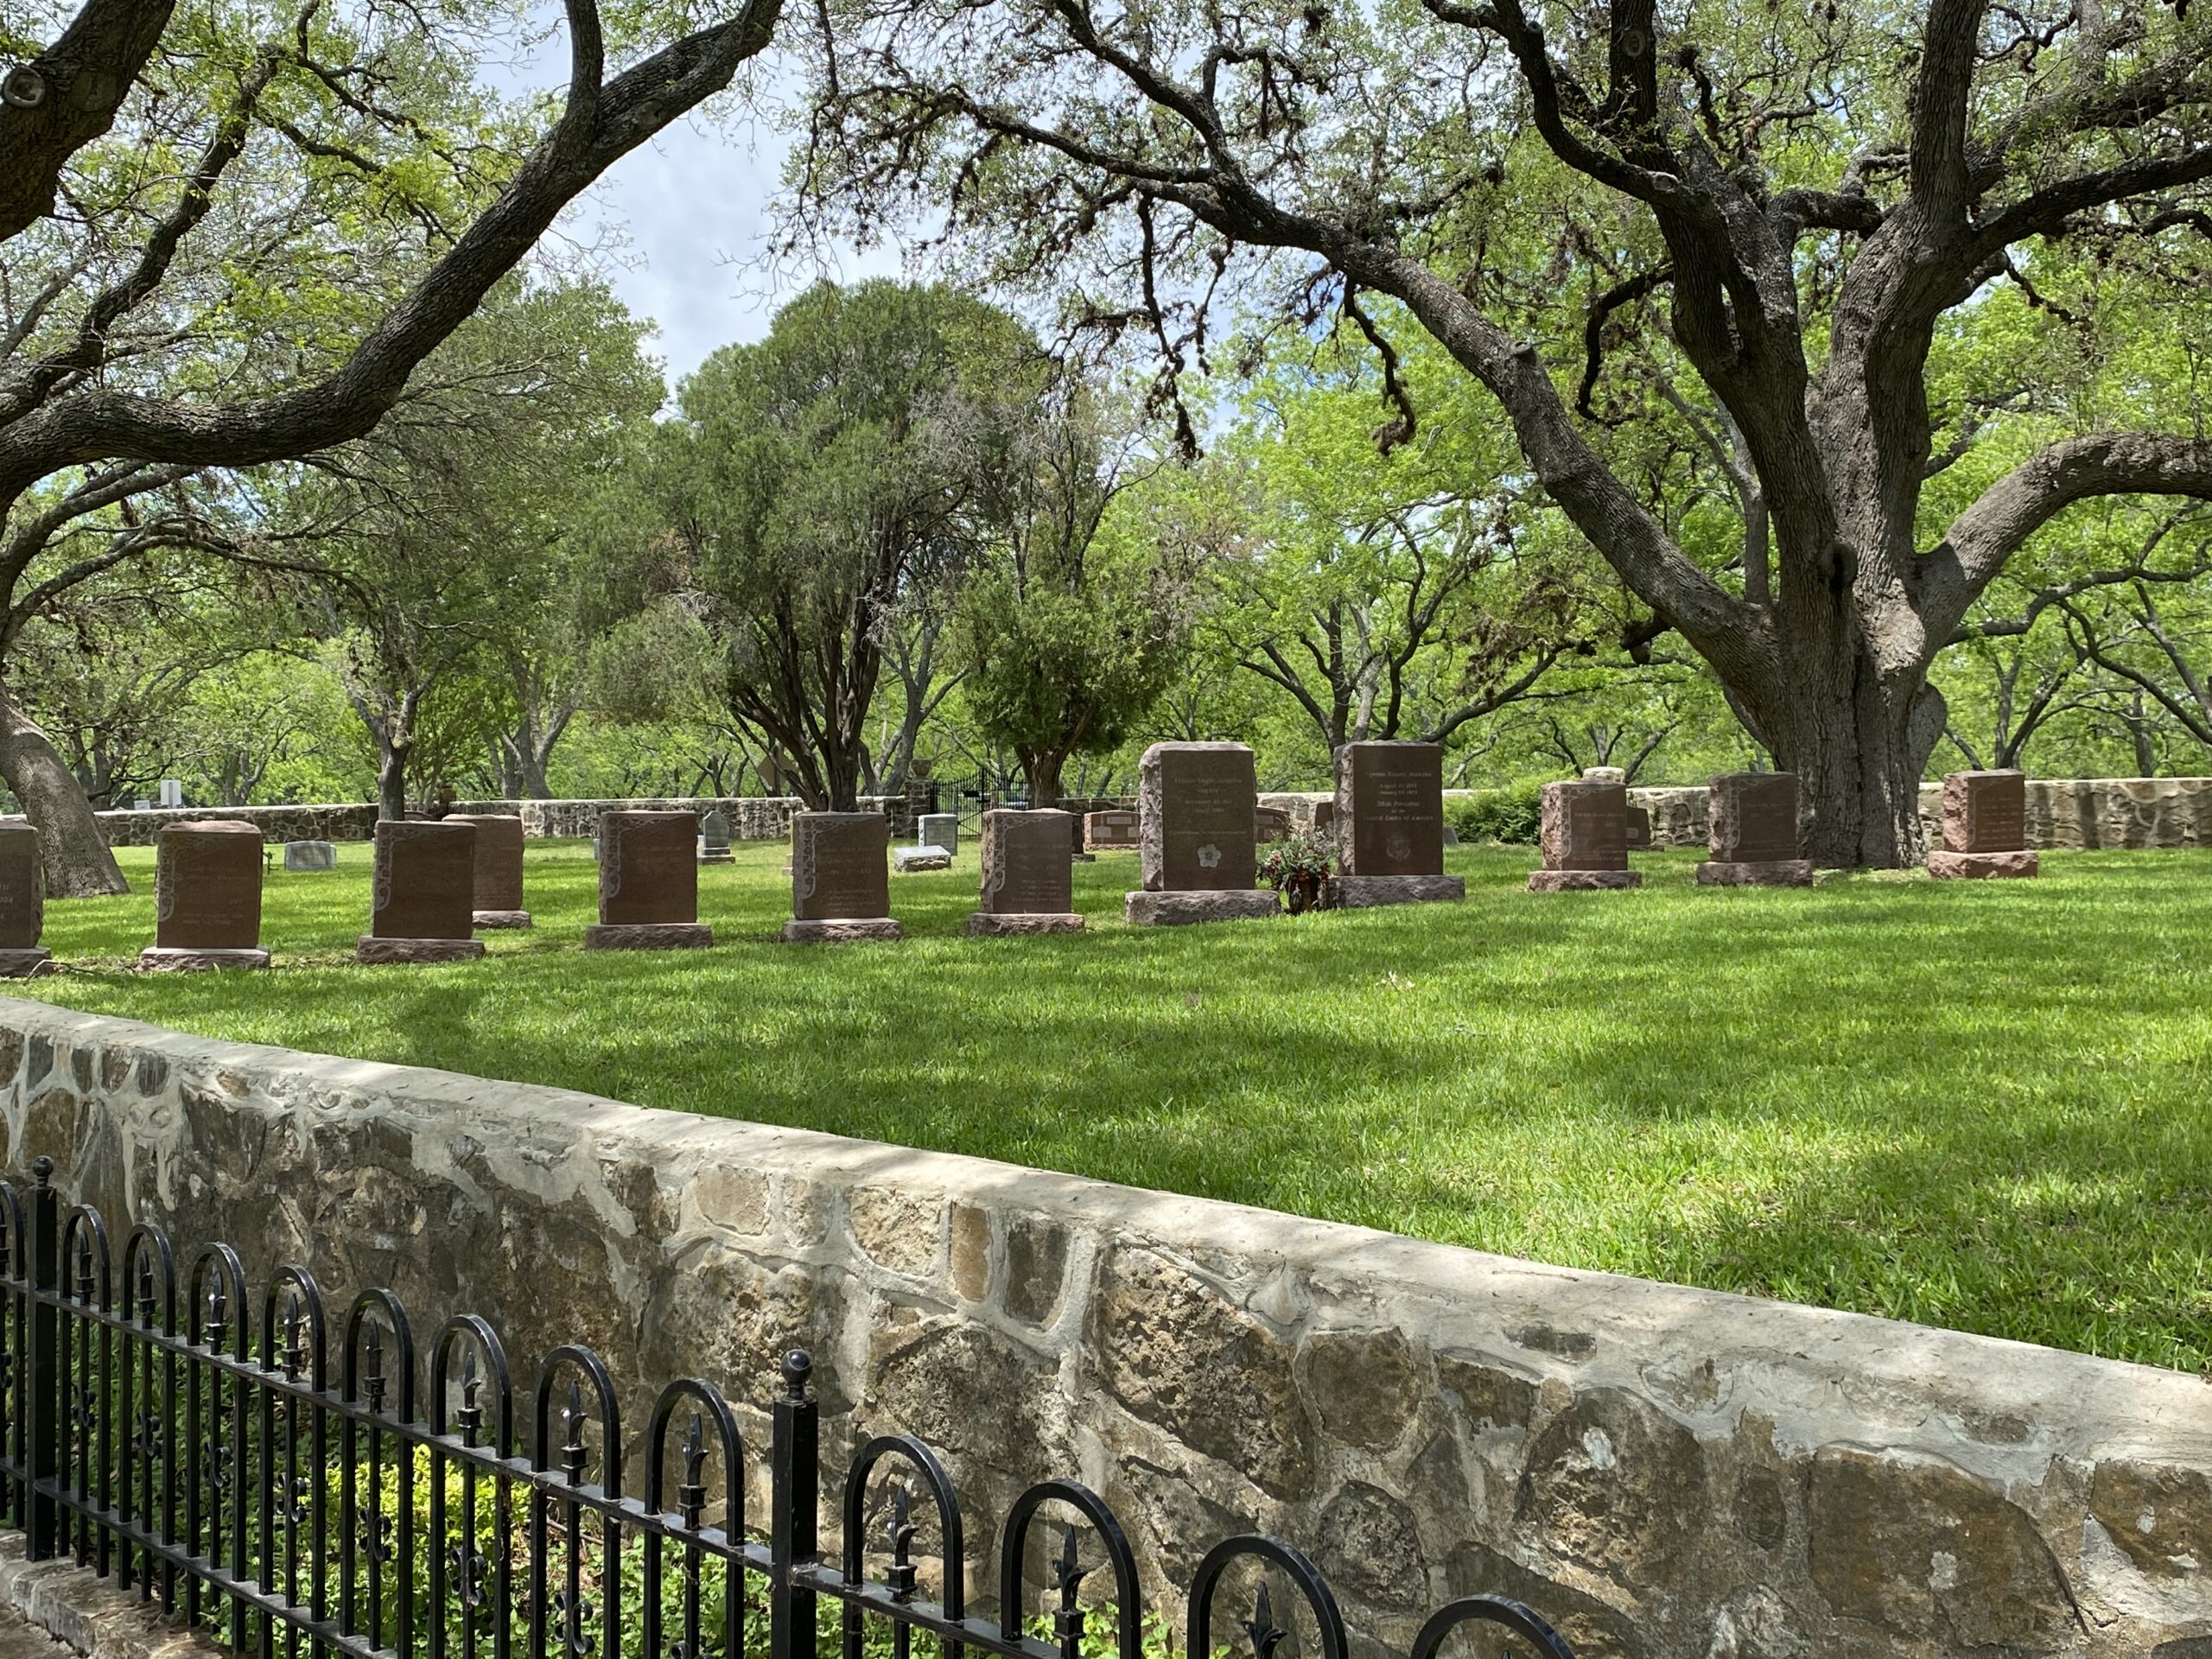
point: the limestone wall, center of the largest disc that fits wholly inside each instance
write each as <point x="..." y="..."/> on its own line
<point x="2072" y="813"/>
<point x="752" y="817"/>
<point x="1664" y="1472"/>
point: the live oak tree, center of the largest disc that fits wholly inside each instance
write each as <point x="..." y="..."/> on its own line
<point x="228" y="237"/>
<point x="1076" y="615"/>
<point x="1818" y="202"/>
<point x="825" y="485"/>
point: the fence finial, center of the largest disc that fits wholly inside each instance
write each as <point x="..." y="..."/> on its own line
<point x="798" y="1365"/>
<point x="42" y="1171"/>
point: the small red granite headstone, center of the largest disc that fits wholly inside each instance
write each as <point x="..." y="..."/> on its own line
<point x="422" y="898"/>
<point x="648" y="883"/>
<point x="840" y="878"/>
<point x="1584" y="838"/>
<point x="23" y="902"/>
<point x="1026" y="882"/>
<point x="207" y="897"/>
<point x="498" y="900"/>
<point x="1752" y="833"/>
<point x="1112" y="830"/>
<point x="1985" y="826"/>
<point x="1390" y="808"/>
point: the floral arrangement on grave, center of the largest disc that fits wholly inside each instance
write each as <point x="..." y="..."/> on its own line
<point x="1299" y="868"/>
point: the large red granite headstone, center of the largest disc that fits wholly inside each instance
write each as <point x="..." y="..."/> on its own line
<point x="1583" y="834"/>
<point x="422" y="898"/>
<point x="23" y="902"/>
<point x="1198" y="855"/>
<point x="1985" y="826"/>
<point x="206" y="897"/>
<point x="1027" y="885"/>
<point x="648" y="883"/>
<point x="498" y="901"/>
<point x="1390" y="826"/>
<point x="840" y="878"/>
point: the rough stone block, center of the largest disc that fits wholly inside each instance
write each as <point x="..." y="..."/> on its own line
<point x="483" y="920"/>
<point x="157" y="958"/>
<point x="22" y="962"/>
<point x="1182" y="909"/>
<point x="1366" y="892"/>
<point x="649" y="936"/>
<point x="371" y="949"/>
<point x="984" y="923"/>
<point x="909" y="860"/>
<point x="1582" y="880"/>
<point x="842" y="931"/>
<point x="1771" y="873"/>
<point x="1946" y="866"/>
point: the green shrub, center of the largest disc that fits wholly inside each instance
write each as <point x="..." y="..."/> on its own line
<point x="1512" y="814"/>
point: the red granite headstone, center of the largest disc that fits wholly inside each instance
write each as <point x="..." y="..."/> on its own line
<point x="425" y="882"/>
<point x="1985" y="811"/>
<point x="648" y="868"/>
<point x="1197" y="802"/>
<point x="839" y="869"/>
<point x="1391" y="809"/>
<point x="22" y="888"/>
<point x="1753" y="818"/>
<point x="207" y="886"/>
<point x="499" y="860"/>
<point x="1113" y="827"/>
<point x="1026" y="870"/>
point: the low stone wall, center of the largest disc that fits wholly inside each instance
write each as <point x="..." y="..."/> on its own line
<point x="752" y="817"/>
<point x="2063" y="812"/>
<point x="1667" y="1473"/>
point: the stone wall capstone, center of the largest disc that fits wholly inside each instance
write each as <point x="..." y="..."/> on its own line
<point x="1666" y="1473"/>
<point x="2075" y="813"/>
<point x="752" y="817"/>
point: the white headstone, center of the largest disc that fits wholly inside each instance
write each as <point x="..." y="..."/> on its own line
<point x="938" y="829"/>
<point x="172" y="792"/>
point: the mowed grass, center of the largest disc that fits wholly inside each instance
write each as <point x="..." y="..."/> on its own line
<point x="1974" y="1105"/>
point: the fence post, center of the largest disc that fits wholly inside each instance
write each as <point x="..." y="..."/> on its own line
<point x="795" y="1494"/>
<point x="42" y="1366"/>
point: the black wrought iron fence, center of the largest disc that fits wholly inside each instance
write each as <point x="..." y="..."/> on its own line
<point x="279" y="1493"/>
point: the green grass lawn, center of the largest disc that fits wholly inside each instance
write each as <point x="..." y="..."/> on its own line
<point x="1975" y="1105"/>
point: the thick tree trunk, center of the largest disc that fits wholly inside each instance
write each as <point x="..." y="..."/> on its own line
<point x="78" y="862"/>
<point x="1040" y="773"/>
<point x="392" y="780"/>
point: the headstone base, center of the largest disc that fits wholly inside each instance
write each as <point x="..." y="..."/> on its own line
<point x="1582" y="880"/>
<point x="1365" y="891"/>
<point x="718" y="855"/>
<point x="1971" y="867"/>
<point x="1182" y="909"/>
<point x="848" y="931"/>
<point x="1081" y="857"/>
<point x="906" y="860"/>
<point x="370" y="949"/>
<point x="174" y="959"/>
<point x="23" y="963"/>
<point x="1775" y="873"/>
<point x="982" y="923"/>
<point x="484" y="918"/>
<point x="648" y="936"/>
